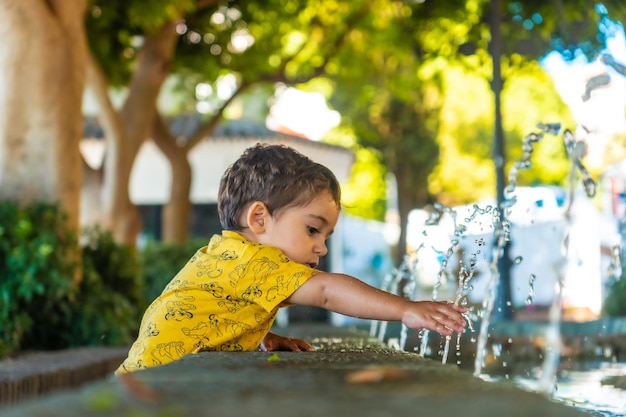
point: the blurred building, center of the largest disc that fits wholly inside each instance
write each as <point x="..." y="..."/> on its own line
<point x="151" y="176"/>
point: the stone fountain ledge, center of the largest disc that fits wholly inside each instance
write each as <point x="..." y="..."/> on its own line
<point x="34" y="374"/>
<point x="350" y="374"/>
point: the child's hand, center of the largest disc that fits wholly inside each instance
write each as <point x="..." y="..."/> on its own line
<point x="273" y="342"/>
<point x="440" y="316"/>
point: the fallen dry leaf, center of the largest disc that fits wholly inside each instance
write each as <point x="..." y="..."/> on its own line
<point x="370" y="375"/>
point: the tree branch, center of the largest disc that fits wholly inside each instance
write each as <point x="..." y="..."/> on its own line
<point x="97" y="82"/>
<point x="333" y="50"/>
<point x="210" y="126"/>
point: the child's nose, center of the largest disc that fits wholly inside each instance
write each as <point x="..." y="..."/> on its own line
<point x="321" y="248"/>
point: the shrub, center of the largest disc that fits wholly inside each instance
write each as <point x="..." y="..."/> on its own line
<point x="107" y="306"/>
<point x="102" y="309"/>
<point x="38" y="257"/>
<point x="42" y="304"/>
<point x="109" y="300"/>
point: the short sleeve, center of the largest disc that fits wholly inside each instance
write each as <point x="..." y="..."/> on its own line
<point x="269" y="277"/>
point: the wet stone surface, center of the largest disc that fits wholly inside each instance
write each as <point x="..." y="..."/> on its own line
<point x="350" y="374"/>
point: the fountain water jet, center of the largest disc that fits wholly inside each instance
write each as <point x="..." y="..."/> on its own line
<point x="501" y="227"/>
<point x="575" y="150"/>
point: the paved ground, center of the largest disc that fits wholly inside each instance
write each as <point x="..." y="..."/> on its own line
<point x="350" y="374"/>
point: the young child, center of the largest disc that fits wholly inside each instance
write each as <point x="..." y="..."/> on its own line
<point x="277" y="208"/>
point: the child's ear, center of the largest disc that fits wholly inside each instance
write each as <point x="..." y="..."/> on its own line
<point x="257" y="217"/>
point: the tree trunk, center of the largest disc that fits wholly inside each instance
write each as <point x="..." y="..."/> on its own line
<point x="42" y="68"/>
<point x="175" y="221"/>
<point x="405" y="205"/>
<point x="412" y="192"/>
<point x="127" y="129"/>
<point x="503" y="309"/>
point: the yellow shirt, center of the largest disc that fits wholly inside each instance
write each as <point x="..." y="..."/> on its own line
<point x="225" y="299"/>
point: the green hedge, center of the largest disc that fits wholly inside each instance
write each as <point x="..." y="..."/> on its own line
<point x="45" y="303"/>
<point x="109" y="301"/>
<point x="37" y="270"/>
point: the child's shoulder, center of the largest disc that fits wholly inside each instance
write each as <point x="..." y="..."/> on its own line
<point x="233" y="245"/>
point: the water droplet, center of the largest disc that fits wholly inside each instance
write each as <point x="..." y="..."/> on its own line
<point x="518" y="260"/>
<point x="496" y="348"/>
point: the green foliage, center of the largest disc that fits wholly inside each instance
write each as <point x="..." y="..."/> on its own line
<point x="43" y="304"/>
<point x="117" y="264"/>
<point x="363" y="194"/>
<point x="466" y="172"/>
<point x="37" y="270"/>
<point x="533" y="27"/>
<point x="162" y="261"/>
<point x="529" y="97"/>
<point x="615" y="302"/>
<point x="116" y="31"/>
<point x="392" y="103"/>
<point x="103" y="309"/>
<point x="108" y="304"/>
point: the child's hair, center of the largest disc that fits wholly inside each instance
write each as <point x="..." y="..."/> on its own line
<point x="276" y="175"/>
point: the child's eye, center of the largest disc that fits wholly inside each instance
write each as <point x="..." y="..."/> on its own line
<point x="312" y="230"/>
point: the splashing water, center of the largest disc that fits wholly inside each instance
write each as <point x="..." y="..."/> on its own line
<point x="459" y="230"/>
<point x="404" y="275"/>
<point x="410" y="280"/>
<point x="389" y="284"/>
<point x="531" y="289"/>
<point x="502" y="232"/>
<point x="463" y="287"/>
<point x="575" y="150"/>
<point x="615" y="267"/>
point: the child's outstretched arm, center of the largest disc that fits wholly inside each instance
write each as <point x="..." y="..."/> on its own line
<point x="349" y="296"/>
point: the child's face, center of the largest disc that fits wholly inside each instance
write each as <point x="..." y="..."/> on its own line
<point x="301" y="232"/>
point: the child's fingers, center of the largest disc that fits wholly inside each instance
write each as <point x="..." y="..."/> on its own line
<point x="450" y="317"/>
<point x="304" y="345"/>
